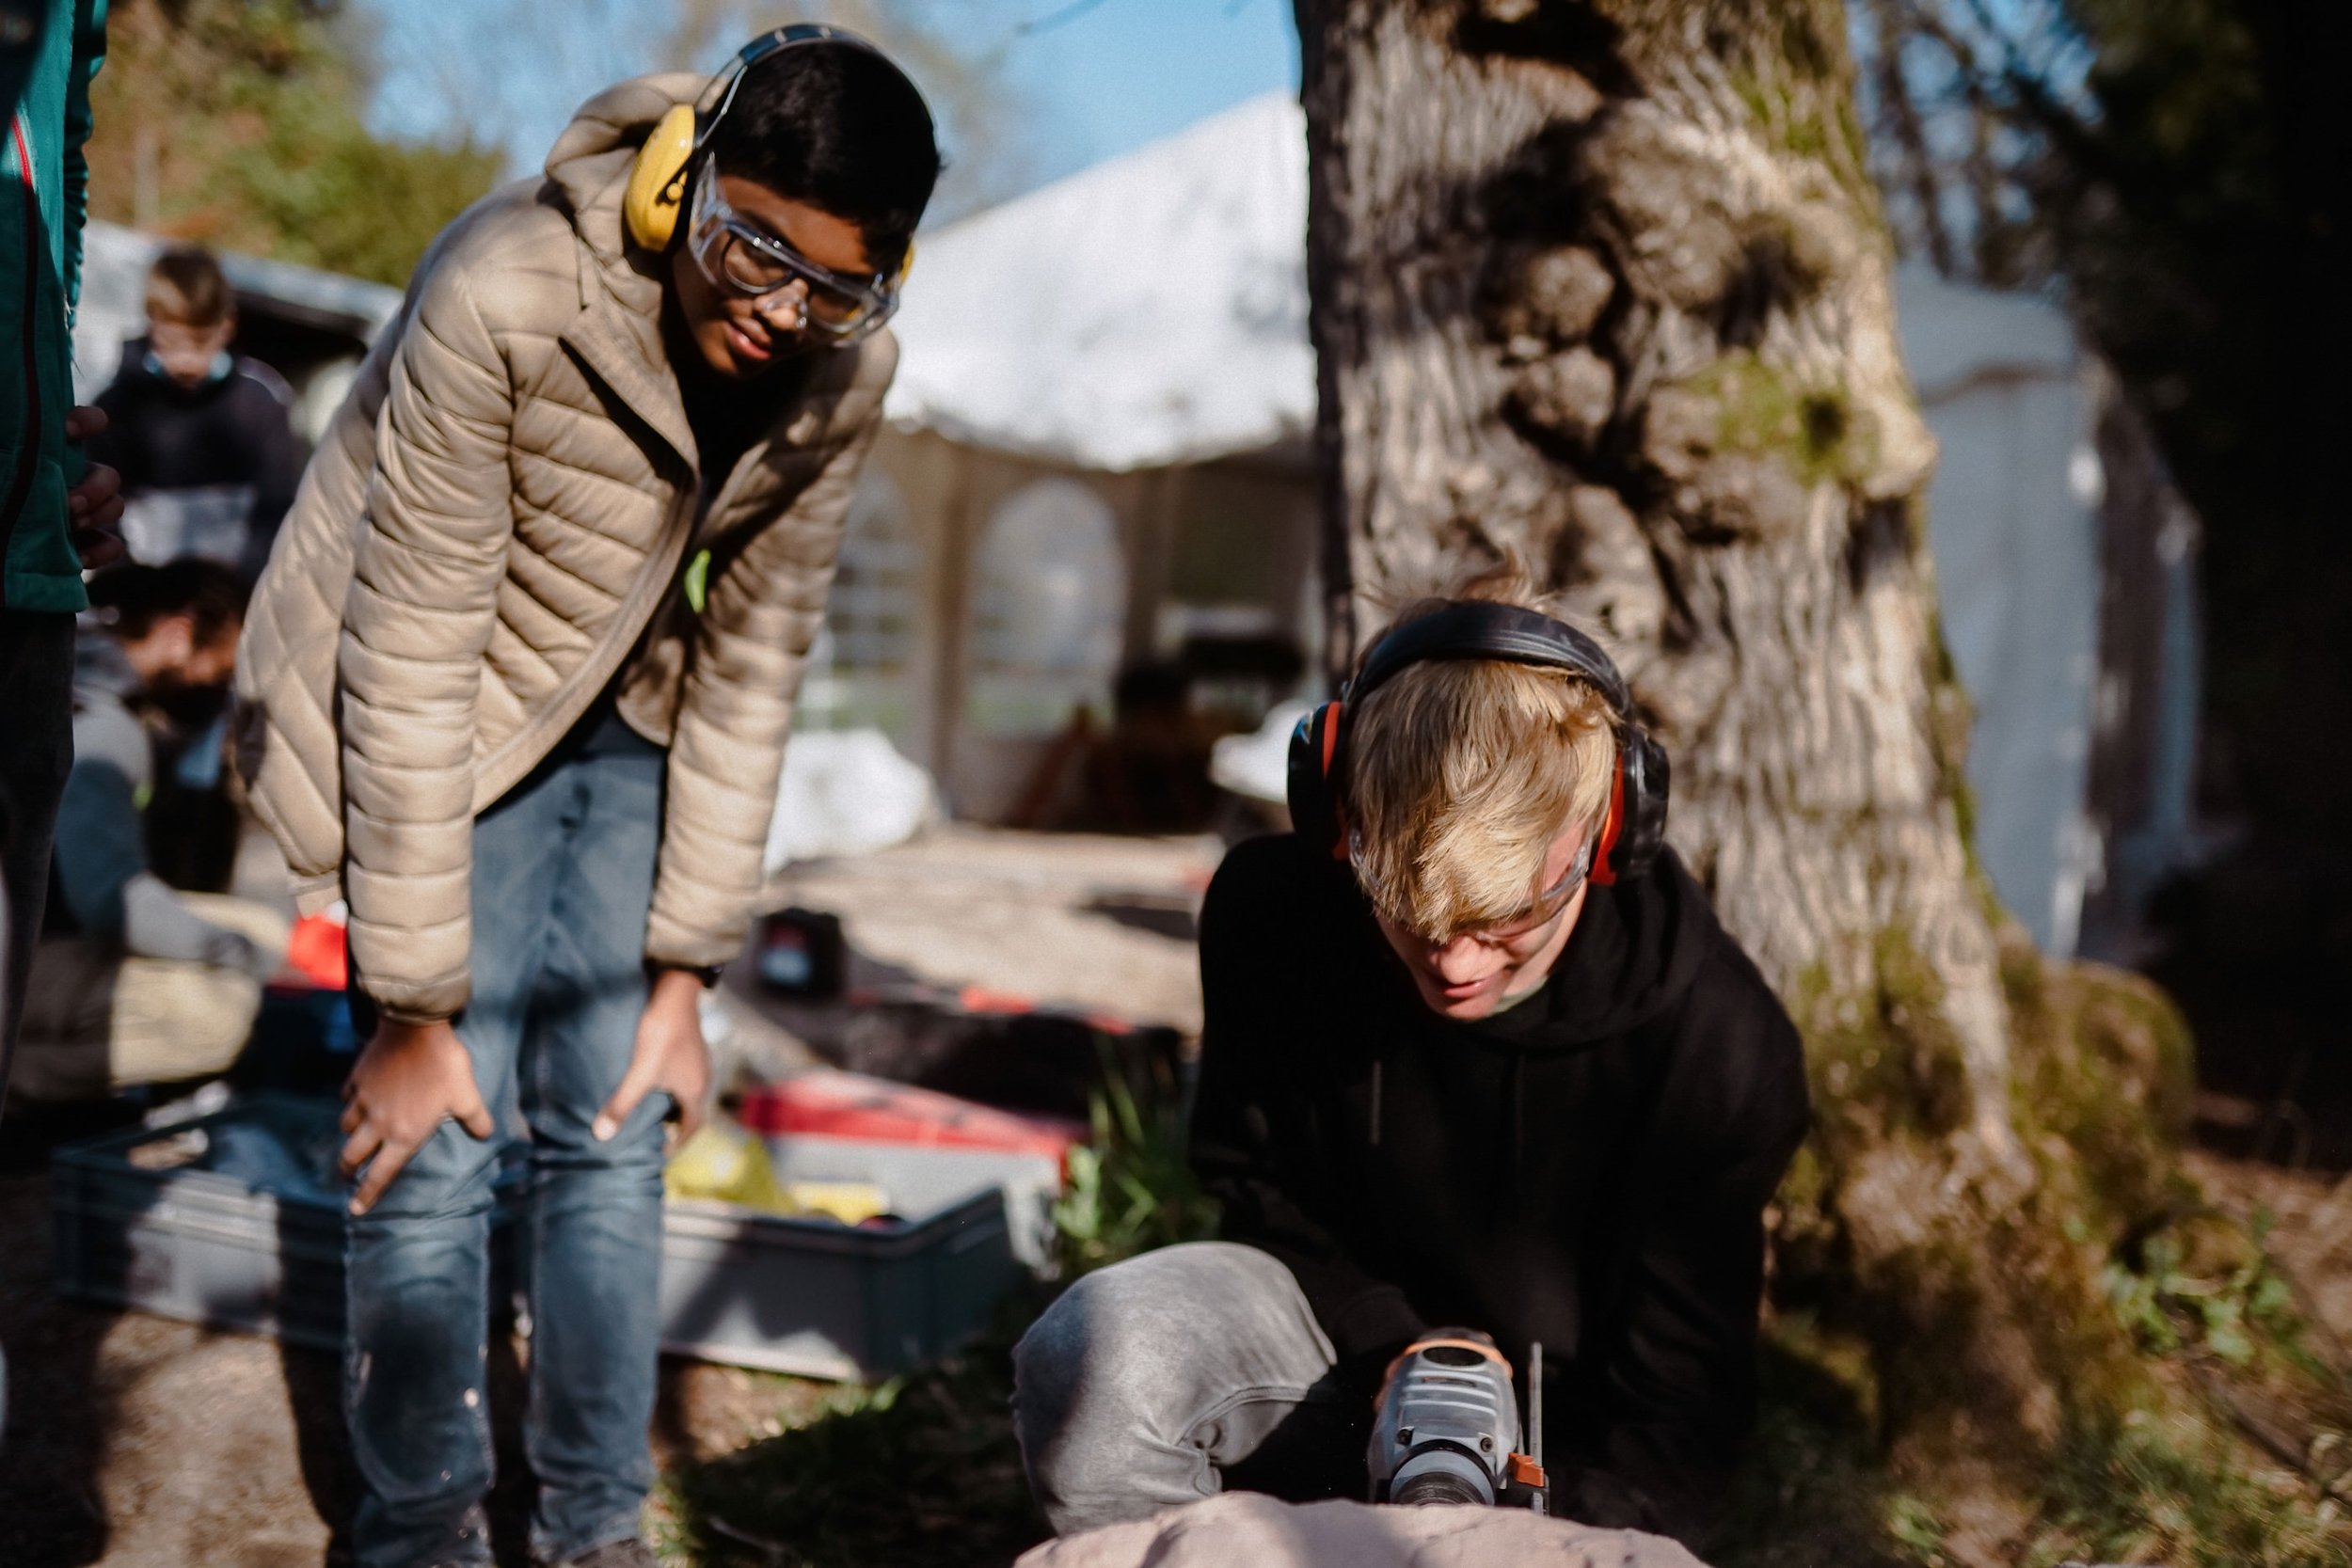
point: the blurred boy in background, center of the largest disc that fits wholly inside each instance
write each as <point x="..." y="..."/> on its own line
<point x="135" y="981"/>
<point x="201" y="435"/>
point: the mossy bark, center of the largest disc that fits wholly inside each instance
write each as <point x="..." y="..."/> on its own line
<point x="1602" y="285"/>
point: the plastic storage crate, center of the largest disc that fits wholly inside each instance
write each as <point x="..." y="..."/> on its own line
<point x="817" y="1122"/>
<point x="144" y="1219"/>
<point x="821" y="1299"/>
<point x="152" y="1219"/>
<point x="969" y="1190"/>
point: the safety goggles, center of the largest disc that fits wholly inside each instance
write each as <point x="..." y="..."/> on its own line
<point x="1546" y="908"/>
<point x="752" y="263"/>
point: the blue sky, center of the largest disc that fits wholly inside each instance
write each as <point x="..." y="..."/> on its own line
<point x="1092" y="79"/>
<point x="1129" y="71"/>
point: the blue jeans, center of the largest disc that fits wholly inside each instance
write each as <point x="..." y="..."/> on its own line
<point x="562" y="879"/>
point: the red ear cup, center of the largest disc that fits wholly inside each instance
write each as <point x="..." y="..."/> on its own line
<point x="1316" y="815"/>
<point x="1332" y="716"/>
<point x="1604" y="870"/>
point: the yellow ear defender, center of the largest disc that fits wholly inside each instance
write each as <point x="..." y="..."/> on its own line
<point x="659" y="178"/>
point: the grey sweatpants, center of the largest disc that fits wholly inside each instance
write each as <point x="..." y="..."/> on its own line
<point x="1171" y="1376"/>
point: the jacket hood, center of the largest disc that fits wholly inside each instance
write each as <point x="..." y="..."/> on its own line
<point x="1637" y="947"/>
<point x="589" y="163"/>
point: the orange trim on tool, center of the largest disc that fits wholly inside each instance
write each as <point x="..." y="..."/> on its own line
<point x="1410" y="1350"/>
<point x="1526" y="1472"/>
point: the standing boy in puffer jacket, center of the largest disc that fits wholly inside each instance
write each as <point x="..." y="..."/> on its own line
<point x="515" y="683"/>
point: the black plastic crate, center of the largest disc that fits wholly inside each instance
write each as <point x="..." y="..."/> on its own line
<point x="818" y="1299"/>
<point x="144" y="1219"/>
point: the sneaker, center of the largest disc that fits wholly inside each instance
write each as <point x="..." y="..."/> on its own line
<point x="631" y="1553"/>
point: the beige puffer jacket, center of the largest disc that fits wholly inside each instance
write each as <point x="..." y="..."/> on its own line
<point x="502" y="508"/>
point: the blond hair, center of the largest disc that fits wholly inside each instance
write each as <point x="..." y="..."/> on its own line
<point x="1460" y="773"/>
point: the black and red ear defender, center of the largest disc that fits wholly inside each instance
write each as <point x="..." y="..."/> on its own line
<point x="1634" y="828"/>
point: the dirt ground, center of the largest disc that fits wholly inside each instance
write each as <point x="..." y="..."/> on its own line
<point x="138" y="1442"/>
<point x="2312" y="1235"/>
<point x="1087" y="922"/>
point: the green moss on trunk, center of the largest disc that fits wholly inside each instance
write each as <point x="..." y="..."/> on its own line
<point x="1816" y="429"/>
<point x="1885" y="1440"/>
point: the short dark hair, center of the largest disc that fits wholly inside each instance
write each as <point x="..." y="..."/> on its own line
<point x="841" y="128"/>
<point x="186" y="285"/>
<point x="131" y="598"/>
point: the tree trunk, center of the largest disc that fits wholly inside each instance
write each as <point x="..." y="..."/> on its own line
<point x="1604" y="285"/>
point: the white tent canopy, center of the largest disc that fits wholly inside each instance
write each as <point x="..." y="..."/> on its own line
<point x="1148" y="311"/>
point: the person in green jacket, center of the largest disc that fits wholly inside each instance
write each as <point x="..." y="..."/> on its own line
<point x="56" y="513"/>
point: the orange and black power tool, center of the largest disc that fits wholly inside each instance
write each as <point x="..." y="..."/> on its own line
<point x="1449" y="1427"/>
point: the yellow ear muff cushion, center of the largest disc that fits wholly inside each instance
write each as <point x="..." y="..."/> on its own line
<point x="655" y="182"/>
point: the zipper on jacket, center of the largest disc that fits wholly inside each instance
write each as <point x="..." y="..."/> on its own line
<point x="28" y="452"/>
<point x="598" y="672"/>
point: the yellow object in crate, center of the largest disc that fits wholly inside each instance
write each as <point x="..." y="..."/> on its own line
<point x="730" y="1165"/>
<point x="850" y="1202"/>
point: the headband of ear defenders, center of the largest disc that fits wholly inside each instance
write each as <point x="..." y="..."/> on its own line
<point x="658" y="179"/>
<point x="1634" y="828"/>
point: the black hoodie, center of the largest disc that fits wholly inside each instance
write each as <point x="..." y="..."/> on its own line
<point x="1588" y="1168"/>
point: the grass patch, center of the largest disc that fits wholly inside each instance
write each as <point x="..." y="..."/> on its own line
<point x="1132" y="1189"/>
<point x="919" y="1472"/>
<point x="922" y="1471"/>
<point x="2181" y="1492"/>
<point x="1814" y="1490"/>
<point x="2173" y="1485"/>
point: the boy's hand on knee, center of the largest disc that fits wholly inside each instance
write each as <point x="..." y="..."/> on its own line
<point x="670" y="1056"/>
<point x="409" y="1077"/>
